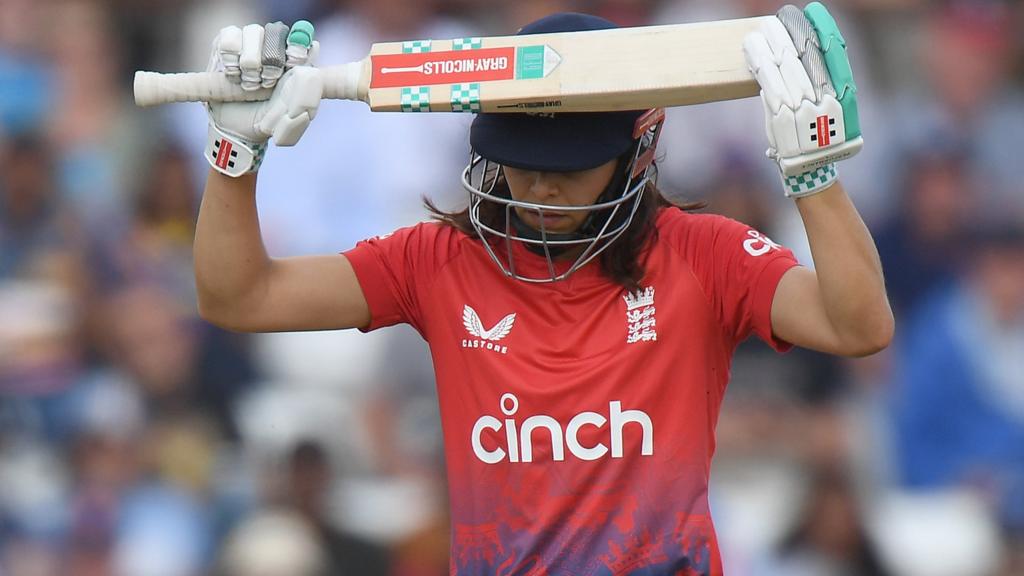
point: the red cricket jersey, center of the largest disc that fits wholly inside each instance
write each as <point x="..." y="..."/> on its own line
<point x="578" y="419"/>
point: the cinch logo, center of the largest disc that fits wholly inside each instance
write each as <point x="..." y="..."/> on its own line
<point x="758" y="244"/>
<point x="518" y="445"/>
<point x="485" y="338"/>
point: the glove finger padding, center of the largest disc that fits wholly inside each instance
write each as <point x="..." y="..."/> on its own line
<point x="778" y="98"/>
<point x="251" y="58"/>
<point x="275" y="36"/>
<point x="805" y="39"/>
<point x="301" y="49"/>
<point x="224" y="56"/>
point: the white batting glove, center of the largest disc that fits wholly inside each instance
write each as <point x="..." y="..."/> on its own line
<point x="272" y="57"/>
<point x="799" y="59"/>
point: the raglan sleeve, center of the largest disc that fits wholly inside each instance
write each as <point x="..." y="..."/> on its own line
<point x="395" y="272"/>
<point x="739" y="268"/>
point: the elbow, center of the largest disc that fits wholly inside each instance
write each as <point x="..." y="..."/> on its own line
<point x="873" y="335"/>
<point x="210" y="312"/>
<point x="219" y="315"/>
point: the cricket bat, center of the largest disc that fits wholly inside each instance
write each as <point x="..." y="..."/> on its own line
<point x="602" y="70"/>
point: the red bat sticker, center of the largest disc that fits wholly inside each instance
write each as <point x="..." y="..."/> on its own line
<point x="451" y="67"/>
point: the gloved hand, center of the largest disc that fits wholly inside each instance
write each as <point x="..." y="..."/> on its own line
<point x="270" y="56"/>
<point x="810" y="100"/>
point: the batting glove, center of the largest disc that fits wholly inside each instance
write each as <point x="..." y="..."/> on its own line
<point x="262" y="57"/>
<point x="810" y="100"/>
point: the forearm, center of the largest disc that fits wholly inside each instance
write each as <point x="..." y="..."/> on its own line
<point x="230" y="259"/>
<point x="848" y="269"/>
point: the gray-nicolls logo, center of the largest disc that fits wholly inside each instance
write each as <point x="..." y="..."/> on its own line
<point x="484" y="338"/>
<point x="640" y="321"/>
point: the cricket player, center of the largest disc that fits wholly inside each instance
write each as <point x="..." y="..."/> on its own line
<point x="581" y="326"/>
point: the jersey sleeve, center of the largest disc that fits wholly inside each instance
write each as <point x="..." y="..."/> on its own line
<point x="739" y="269"/>
<point x="395" y="272"/>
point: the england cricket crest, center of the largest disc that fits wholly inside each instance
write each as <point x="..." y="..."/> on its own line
<point x="641" y="325"/>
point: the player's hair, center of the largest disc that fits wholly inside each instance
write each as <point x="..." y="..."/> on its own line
<point x="621" y="261"/>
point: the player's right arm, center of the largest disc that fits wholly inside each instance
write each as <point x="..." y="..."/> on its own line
<point x="241" y="288"/>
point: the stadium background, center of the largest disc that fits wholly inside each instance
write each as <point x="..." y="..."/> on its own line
<point x="136" y="440"/>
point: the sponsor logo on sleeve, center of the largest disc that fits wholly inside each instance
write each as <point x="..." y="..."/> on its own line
<point x="758" y="244"/>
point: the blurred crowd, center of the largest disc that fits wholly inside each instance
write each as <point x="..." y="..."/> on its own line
<point x="137" y="440"/>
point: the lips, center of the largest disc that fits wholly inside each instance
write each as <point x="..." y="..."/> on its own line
<point x="550" y="220"/>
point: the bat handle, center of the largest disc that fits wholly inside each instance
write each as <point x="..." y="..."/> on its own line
<point x="345" y="82"/>
<point x="153" y="88"/>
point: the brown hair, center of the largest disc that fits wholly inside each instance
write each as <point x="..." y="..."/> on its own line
<point x="620" y="262"/>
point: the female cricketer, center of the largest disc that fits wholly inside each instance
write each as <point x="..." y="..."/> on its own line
<point x="581" y="326"/>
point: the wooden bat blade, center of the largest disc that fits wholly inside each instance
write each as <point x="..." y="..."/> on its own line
<point x="618" y="69"/>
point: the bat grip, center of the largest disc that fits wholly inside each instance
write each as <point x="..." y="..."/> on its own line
<point x="343" y="82"/>
<point x="153" y="88"/>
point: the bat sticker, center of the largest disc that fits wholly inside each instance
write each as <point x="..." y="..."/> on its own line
<point x="462" y="66"/>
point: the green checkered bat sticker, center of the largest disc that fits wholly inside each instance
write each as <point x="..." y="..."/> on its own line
<point x="416" y="99"/>
<point x="416" y="46"/>
<point x="466" y="98"/>
<point x="467" y="43"/>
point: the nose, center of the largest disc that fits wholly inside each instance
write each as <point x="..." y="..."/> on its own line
<point x="543" y="186"/>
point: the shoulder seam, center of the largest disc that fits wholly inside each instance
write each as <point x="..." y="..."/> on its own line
<point x="703" y="290"/>
<point x="451" y="257"/>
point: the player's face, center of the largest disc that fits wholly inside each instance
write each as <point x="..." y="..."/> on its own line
<point x="557" y="189"/>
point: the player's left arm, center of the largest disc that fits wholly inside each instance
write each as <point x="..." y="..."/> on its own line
<point x="811" y="117"/>
<point x="840" y="307"/>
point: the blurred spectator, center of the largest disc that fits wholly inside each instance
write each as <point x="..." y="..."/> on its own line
<point x="167" y="518"/>
<point x="426" y="551"/>
<point x="921" y="246"/>
<point x="514" y="16"/>
<point x="958" y="403"/>
<point x="157" y="342"/>
<point x="309" y="483"/>
<point x="41" y="279"/>
<point x="626" y="12"/>
<point x="737" y="191"/>
<point x="97" y="142"/>
<point x="37" y="231"/>
<point x="153" y="247"/>
<point x="33" y="484"/>
<point x="162" y="531"/>
<point x="275" y="543"/>
<point x="155" y="244"/>
<point x="26" y="77"/>
<point x="968" y="96"/>
<point x="830" y="538"/>
<point x="106" y="467"/>
<point x="151" y="339"/>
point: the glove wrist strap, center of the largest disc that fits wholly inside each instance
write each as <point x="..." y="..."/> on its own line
<point x="809" y="183"/>
<point x="231" y="155"/>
